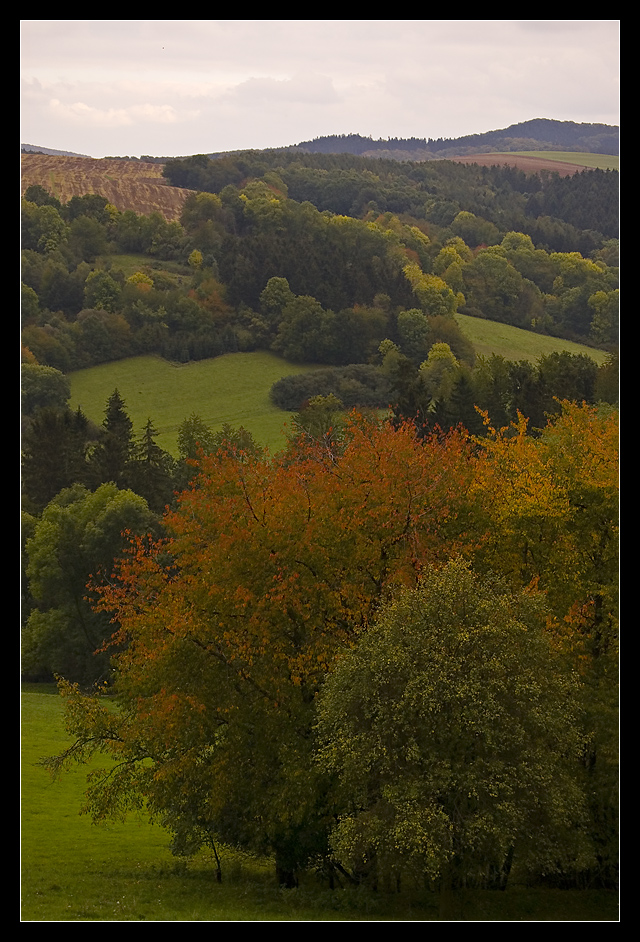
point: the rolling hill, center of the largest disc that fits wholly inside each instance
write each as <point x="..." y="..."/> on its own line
<point x="127" y="184"/>
<point x="539" y="134"/>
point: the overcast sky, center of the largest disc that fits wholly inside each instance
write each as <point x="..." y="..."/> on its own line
<point x="176" y="87"/>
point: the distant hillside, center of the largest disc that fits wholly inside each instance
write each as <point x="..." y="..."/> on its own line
<point x="127" y="184"/>
<point x="537" y="134"/>
<point x="564" y="163"/>
<point x="36" y="149"/>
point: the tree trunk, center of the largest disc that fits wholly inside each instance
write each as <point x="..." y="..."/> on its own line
<point x="447" y="906"/>
<point x="285" y="877"/>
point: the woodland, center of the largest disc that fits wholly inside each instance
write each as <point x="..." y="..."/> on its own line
<point x="388" y="653"/>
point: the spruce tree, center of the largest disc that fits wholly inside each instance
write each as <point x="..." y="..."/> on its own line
<point x="152" y="470"/>
<point x="114" y="452"/>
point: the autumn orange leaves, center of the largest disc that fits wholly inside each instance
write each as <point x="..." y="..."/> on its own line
<point x="273" y="570"/>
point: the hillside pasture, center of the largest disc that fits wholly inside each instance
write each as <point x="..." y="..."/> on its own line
<point x="126" y="184"/>
<point x="514" y="343"/>
<point x="565" y="163"/>
<point x="233" y="389"/>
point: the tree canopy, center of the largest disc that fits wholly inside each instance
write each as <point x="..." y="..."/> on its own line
<point x="455" y="737"/>
<point x="334" y="574"/>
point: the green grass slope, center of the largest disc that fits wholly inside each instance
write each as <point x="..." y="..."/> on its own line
<point x="233" y="388"/>
<point x="513" y="343"/>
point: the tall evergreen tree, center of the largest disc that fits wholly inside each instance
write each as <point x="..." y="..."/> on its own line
<point x="114" y="453"/>
<point x="152" y="470"/>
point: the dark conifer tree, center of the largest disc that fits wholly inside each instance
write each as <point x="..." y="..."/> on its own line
<point x="54" y="454"/>
<point x="152" y="470"/>
<point x="113" y="455"/>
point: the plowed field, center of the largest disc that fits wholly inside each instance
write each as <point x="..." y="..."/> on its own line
<point x="127" y="184"/>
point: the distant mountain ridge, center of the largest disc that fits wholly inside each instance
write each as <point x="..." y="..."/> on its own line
<point x="35" y="149"/>
<point x="537" y="134"/>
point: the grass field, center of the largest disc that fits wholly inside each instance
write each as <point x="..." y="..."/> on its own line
<point x="233" y="388"/>
<point x="513" y="343"/>
<point x="73" y="870"/>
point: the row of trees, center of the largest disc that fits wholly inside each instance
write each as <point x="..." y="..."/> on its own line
<point x="445" y="390"/>
<point x="388" y="657"/>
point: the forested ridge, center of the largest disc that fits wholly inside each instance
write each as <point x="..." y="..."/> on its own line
<point x="541" y="134"/>
<point x="229" y="598"/>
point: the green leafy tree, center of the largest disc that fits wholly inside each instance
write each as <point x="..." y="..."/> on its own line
<point x="43" y="387"/>
<point x="495" y="289"/>
<point x="29" y="305"/>
<point x="87" y="238"/>
<point x="433" y="294"/>
<point x="43" y="228"/>
<point x="195" y="259"/>
<point x="102" y="292"/>
<point x="194" y="436"/>
<point x="321" y="420"/>
<point x="608" y="381"/>
<point x="41" y="197"/>
<point x="439" y="371"/>
<point x="237" y="441"/>
<point x="606" y="308"/>
<point x="474" y="230"/>
<point x="414" y="334"/>
<point x="452" y="727"/>
<point x="78" y="535"/>
<point x="305" y="332"/>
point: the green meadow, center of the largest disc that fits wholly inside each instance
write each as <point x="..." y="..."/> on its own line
<point x="513" y="343"/>
<point x="73" y="870"/>
<point x="233" y="389"/>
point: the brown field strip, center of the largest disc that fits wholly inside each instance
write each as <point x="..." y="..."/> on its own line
<point x="528" y="164"/>
<point x="127" y="184"/>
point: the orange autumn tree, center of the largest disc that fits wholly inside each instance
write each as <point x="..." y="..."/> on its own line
<point x="271" y="570"/>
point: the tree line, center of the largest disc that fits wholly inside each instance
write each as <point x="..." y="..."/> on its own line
<point x="538" y="134"/>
